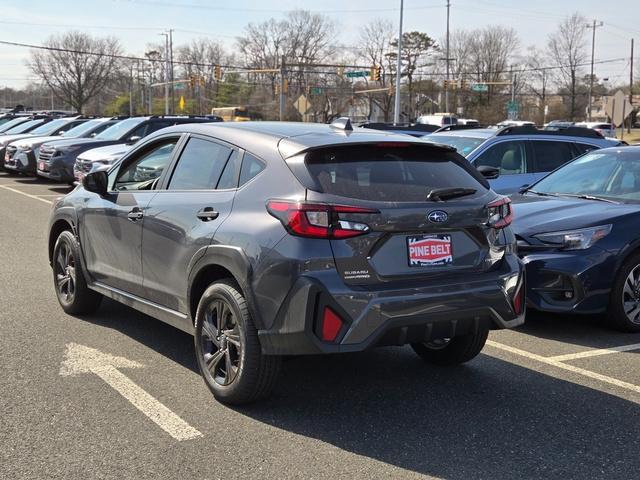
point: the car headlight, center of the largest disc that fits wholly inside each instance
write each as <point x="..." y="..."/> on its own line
<point x="24" y="147"/>
<point x="580" y="239"/>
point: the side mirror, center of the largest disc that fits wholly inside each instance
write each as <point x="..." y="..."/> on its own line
<point x="133" y="139"/>
<point x="96" y="182"/>
<point x="523" y="189"/>
<point x="61" y="132"/>
<point x="490" y="173"/>
<point x="93" y="134"/>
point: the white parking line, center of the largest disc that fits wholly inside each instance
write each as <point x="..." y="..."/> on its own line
<point x="564" y="366"/>
<point x="80" y="359"/>
<point x="595" y="353"/>
<point x="26" y="194"/>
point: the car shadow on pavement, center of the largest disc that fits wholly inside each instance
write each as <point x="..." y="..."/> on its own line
<point x="590" y="331"/>
<point x="487" y="419"/>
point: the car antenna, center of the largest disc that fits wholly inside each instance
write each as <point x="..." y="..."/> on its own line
<point x="342" y="123"/>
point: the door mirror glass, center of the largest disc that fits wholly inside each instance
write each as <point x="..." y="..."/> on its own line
<point x="490" y="173"/>
<point x="96" y="182"/>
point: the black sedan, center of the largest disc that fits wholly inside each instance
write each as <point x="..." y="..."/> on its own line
<point x="578" y="232"/>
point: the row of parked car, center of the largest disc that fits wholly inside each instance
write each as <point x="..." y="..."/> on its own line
<point x="267" y="239"/>
<point x="52" y="147"/>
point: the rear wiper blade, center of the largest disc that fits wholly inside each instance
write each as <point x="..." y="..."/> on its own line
<point x="439" y="194"/>
<point x="589" y="197"/>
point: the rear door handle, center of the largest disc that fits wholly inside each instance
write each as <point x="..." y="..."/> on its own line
<point x="207" y="214"/>
<point x="135" y="214"/>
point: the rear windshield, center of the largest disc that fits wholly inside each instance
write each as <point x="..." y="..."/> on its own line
<point x="382" y="173"/>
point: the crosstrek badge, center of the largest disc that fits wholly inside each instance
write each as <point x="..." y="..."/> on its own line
<point x="429" y="250"/>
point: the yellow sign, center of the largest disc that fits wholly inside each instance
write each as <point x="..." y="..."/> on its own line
<point x="181" y="103"/>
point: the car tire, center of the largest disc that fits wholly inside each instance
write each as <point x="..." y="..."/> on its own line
<point x="452" y="351"/>
<point x="624" y="304"/>
<point x="71" y="288"/>
<point x="228" y="351"/>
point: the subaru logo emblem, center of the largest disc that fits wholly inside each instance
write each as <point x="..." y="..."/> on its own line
<point x="438" y="216"/>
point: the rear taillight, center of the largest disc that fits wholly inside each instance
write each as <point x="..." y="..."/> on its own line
<point x="331" y="325"/>
<point x="500" y="213"/>
<point x="318" y="220"/>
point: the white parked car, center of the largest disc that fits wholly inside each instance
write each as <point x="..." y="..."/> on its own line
<point x="98" y="158"/>
<point x="606" y="129"/>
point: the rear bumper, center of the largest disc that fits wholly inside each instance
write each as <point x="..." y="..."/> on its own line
<point x="576" y="281"/>
<point x="394" y="317"/>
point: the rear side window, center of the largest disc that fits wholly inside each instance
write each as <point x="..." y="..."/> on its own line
<point x="251" y="167"/>
<point x="200" y="165"/>
<point x="388" y="173"/>
<point x="550" y="155"/>
<point x="584" y="148"/>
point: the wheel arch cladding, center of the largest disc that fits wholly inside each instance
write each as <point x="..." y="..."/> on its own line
<point x="207" y="275"/>
<point x="57" y="228"/>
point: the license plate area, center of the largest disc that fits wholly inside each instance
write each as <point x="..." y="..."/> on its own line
<point x="41" y="166"/>
<point x="429" y="250"/>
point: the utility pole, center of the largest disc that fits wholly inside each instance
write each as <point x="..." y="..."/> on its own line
<point x="166" y="73"/>
<point x="173" y="103"/>
<point x="283" y="74"/>
<point x="593" y="50"/>
<point x="131" y="91"/>
<point x="396" y="110"/>
<point x="446" y="90"/>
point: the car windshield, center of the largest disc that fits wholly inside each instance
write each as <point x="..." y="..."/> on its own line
<point x="23" y="127"/>
<point x="464" y="145"/>
<point x="50" y="127"/>
<point x="613" y="174"/>
<point x="11" y="124"/>
<point x="119" y="129"/>
<point x="83" y="128"/>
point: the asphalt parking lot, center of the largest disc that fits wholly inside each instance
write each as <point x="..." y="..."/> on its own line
<point x="557" y="398"/>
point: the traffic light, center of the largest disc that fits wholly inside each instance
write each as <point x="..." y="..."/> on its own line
<point x="203" y="81"/>
<point x="286" y="86"/>
<point x="192" y="81"/>
<point x="377" y="73"/>
<point x="217" y="72"/>
<point x="463" y="84"/>
<point x="341" y="71"/>
<point x="446" y="84"/>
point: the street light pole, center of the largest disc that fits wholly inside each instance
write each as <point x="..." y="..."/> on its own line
<point x="593" y="49"/>
<point x="396" y="111"/>
<point x="166" y="73"/>
<point x="446" y="90"/>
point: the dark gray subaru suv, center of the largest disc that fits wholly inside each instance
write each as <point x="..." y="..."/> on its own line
<point x="271" y="239"/>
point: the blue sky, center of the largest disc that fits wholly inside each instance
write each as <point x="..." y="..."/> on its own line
<point x="138" y="22"/>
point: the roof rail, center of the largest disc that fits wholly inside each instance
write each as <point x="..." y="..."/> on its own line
<point x="564" y="132"/>
<point x="448" y="128"/>
<point x="418" y="127"/>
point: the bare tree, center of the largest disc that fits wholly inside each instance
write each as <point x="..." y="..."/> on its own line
<point x="302" y="38"/>
<point x="415" y="48"/>
<point x="77" y="66"/>
<point x="538" y="78"/>
<point x="492" y="50"/>
<point x="566" y="46"/>
<point x="375" y="44"/>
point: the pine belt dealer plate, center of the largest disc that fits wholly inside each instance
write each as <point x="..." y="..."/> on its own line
<point x="429" y="250"/>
